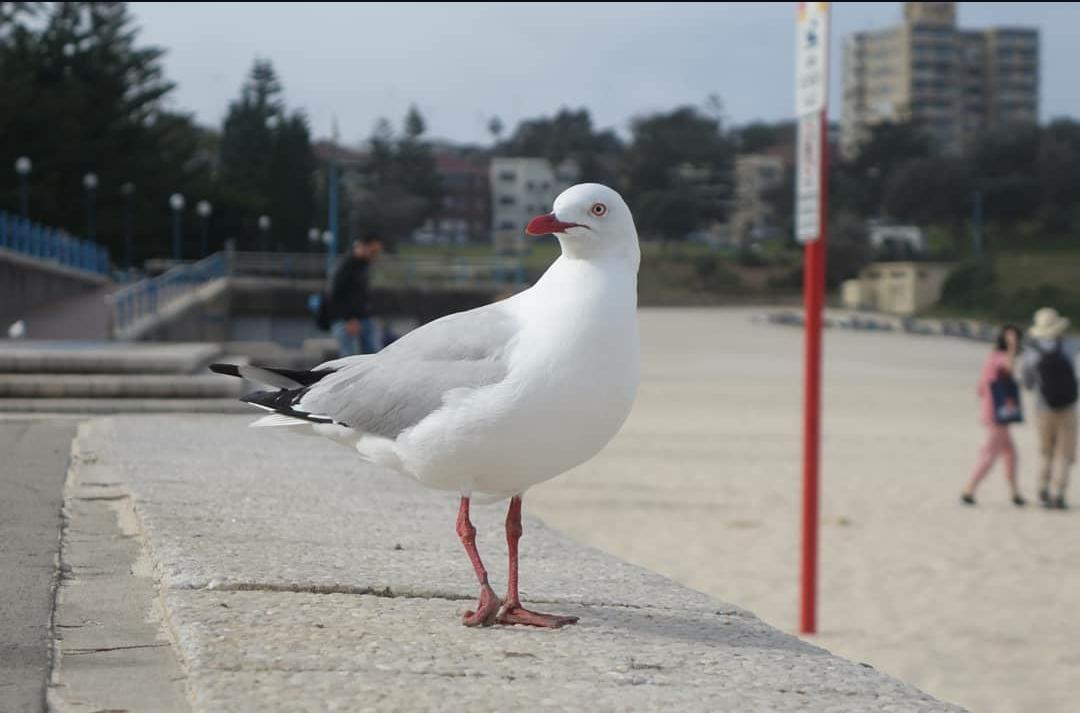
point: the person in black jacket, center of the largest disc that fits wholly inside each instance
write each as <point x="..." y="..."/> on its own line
<point x="350" y="298"/>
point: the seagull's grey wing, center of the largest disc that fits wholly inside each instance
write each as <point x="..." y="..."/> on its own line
<point x="386" y="393"/>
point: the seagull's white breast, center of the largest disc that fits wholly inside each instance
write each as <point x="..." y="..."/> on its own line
<point x="572" y="381"/>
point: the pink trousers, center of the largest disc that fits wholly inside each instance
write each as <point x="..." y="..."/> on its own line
<point x="999" y="442"/>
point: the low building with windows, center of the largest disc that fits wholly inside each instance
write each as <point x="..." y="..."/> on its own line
<point x="464" y="213"/>
<point x="903" y="288"/>
<point x="757" y="176"/>
<point x="522" y="188"/>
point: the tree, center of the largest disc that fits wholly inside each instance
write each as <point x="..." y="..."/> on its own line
<point x="414" y="125"/>
<point x="292" y="185"/>
<point x="931" y="190"/>
<point x="759" y="136"/>
<point x="848" y="249"/>
<point x="1059" y="177"/>
<point x="495" y="128"/>
<point x="266" y="163"/>
<point x="403" y="189"/>
<point x="79" y="94"/>
<point x="859" y="186"/>
<point x="1005" y="164"/>
<point x="678" y="172"/>
<point x="569" y="135"/>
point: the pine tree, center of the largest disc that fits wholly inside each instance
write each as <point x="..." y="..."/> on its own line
<point x="78" y="95"/>
<point x="267" y="165"/>
<point x="403" y="188"/>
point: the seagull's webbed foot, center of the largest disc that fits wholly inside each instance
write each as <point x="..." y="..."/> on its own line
<point x="512" y="612"/>
<point x="487" y="609"/>
<point x="510" y="615"/>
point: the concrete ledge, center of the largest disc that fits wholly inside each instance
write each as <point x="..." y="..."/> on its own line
<point x="57" y="357"/>
<point x="140" y="386"/>
<point x="113" y="406"/>
<point x="293" y="577"/>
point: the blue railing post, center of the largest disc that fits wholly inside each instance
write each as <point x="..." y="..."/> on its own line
<point x="45" y="243"/>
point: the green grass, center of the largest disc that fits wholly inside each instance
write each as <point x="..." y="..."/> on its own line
<point x="1019" y="270"/>
<point x="1013" y="285"/>
<point x="671" y="274"/>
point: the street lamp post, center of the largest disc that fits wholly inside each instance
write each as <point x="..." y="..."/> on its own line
<point x="90" y="183"/>
<point x="128" y="191"/>
<point x="23" y="166"/>
<point x="328" y="241"/>
<point x="264" y="228"/>
<point x="176" y="202"/>
<point x="204" y="209"/>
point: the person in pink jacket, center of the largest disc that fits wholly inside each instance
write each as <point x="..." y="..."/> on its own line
<point x="999" y="442"/>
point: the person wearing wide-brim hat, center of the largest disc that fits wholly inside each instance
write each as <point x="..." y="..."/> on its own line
<point x="1049" y="369"/>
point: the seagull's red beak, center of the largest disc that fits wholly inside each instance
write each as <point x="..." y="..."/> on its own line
<point x="545" y="224"/>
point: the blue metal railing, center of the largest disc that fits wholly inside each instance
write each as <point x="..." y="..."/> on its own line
<point x="147" y="297"/>
<point x="38" y="241"/>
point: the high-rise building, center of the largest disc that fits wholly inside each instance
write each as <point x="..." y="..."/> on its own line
<point x="954" y="82"/>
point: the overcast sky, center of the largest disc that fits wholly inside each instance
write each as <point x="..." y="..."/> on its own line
<point x="462" y="63"/>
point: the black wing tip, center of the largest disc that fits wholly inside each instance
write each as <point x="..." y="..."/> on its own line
<point x="226" y="369"/>
<point x="281" y="401"/>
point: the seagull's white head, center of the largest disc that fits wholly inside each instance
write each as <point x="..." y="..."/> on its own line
<point x="590" y="221"/>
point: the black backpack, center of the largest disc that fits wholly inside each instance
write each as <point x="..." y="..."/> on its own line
<point x="1057" y="380"/>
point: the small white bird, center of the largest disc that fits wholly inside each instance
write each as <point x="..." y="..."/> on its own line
<point x="17" y="330"/>
<point x="496" y="399"/>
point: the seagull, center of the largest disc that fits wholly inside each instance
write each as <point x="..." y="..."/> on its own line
<point x="497" y="399"/>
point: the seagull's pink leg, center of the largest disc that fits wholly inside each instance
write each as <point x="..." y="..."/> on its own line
<point x="512" y="612"/>
<point x="488" y="605"/>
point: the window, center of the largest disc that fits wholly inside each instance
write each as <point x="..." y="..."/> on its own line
<point x="507" y="200"/>
<point x="506" y="225"/>
<point x="507" y="176"/>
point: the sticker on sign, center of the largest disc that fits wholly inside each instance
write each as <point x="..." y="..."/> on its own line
<point x="811" y="65"/>
<point x="808" y="180"/>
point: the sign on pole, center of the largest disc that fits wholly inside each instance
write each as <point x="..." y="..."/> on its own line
<point x="811" y="58"/>
<point x="811" y="206"/>
<point x="811" y="96"/>
<point x="808" y="179"/>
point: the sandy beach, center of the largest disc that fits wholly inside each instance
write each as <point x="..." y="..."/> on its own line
<point x="978" y="606"/>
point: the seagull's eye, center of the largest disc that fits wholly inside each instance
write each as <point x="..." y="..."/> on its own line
<point x="598" y="209"/>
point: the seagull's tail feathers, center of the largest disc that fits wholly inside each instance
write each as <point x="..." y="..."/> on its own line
<point x="289" y="387"/>
<point x="271" y="375"/>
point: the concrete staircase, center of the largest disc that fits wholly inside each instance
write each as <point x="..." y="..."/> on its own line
<point x="125" y="377"/>
<point x="104" y="377"/>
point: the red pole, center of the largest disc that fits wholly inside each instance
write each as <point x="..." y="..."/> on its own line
<point x="813" y="298"/>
